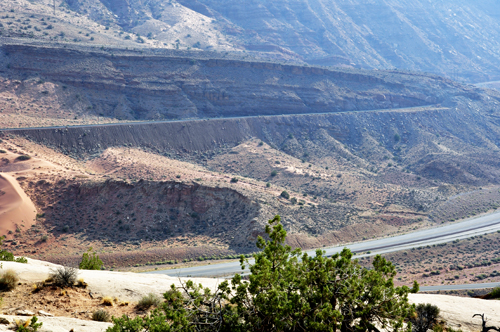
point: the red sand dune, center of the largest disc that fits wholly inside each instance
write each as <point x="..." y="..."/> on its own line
<point x="16" y="209"/>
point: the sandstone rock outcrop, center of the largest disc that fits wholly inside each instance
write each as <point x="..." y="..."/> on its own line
<point x="130" y="84"/>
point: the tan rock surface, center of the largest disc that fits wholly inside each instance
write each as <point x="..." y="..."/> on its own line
<point x="60" y="324"/>
<point x="126" y="286"/>
<point x="458" y="311"/>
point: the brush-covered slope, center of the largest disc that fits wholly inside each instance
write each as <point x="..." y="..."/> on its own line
<point x="437" y="37"/>
<point x="173" y="187"/>
<point x="455" y="38"/>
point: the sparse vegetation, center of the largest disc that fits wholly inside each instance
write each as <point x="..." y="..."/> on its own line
<point x="495" y="293"/>
<point x="101" y="316"/>
<point x="81" y="283"/>
<point x="38" y="286"/>
<point x="424" y="318"/>
<point x="148" y="301"/>
<point x="23" y="158"/>
<point x="8" y="280"/>
<point x="90" y="261"/>
<point x="285" y="194"/>
<point x="107" y="300"/>
<point x="64" y="276"/>
<point x="29" y="325"/>
<point x="8" y="256"/>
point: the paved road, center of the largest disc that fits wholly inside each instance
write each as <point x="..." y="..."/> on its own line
<point x="459" y="287"/>
<point x="476" y="226"/>
<point x="485" y="84"/>
<point x="205" y="119"/>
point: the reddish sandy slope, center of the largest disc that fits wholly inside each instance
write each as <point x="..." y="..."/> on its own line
<point x="16" y="209"/>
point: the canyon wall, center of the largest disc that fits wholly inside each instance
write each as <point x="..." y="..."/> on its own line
<point x="128" y="85"/>
<point x="119" y="211"/>
<point x="458" y="38"/>
<point x="472" y="138"/>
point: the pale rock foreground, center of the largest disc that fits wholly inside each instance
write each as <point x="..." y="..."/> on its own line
<point x="126" y="286"/>
<point x="60" y="324"/>
<point x="457" y="311"/>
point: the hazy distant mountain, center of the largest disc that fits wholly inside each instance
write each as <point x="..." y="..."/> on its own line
<point x="457" y="38"/>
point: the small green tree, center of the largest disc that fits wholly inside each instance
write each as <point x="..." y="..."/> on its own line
<point x="425" y="317"/>
<point x="291" y="291"/>
<point x="90" y="261"/>
<point x="286" y="291"/>
<point x="285" y="194"/>
<point x="8" y="256"/>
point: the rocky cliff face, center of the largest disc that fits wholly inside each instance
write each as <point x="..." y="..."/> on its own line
<point x="125" y="84"/>
<point x="455" y="145"/>
<point x="418" y="35"/>
<point x="456" y="38"/>
<point x="119" y="211"/>
<point x="402" y="164"/>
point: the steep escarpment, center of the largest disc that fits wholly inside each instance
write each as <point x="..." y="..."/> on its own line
<point x="124" y="84"/>
<point x="119" y="211"/>
<point x="456" y="145"/>
<point x="454" y="38"/>
<point x="332" y="177"/>
<point x="426" y="36"/>
<point x="423" y="154"/>
<point x="458" y="39"/>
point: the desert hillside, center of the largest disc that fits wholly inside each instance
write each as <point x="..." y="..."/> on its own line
<point x="157" y="193"/>
<point x="426" y="36"/>
<point x="44" y="85"/>
<point x="167" y="133"/>
<point x="341" y="154"/>
<point x="454" y="38"/>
